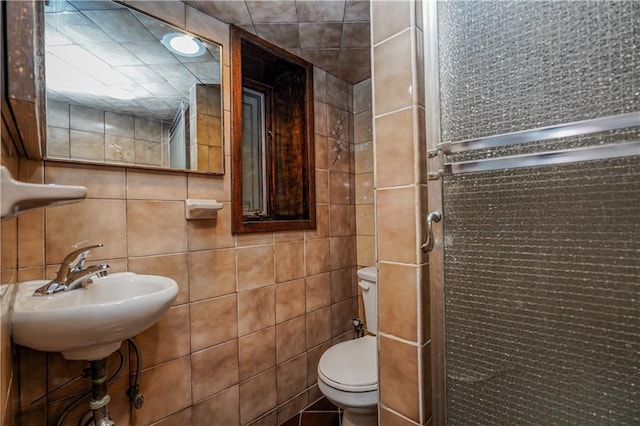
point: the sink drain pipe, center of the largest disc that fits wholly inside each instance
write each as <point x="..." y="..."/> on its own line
<point x="101" y="399"/>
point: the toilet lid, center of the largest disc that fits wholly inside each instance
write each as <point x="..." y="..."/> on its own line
<point x="351" y="366"/>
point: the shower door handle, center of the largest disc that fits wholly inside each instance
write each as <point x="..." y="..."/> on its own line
<point x="434" y="216"/>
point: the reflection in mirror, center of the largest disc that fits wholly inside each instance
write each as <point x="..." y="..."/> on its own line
<point x="126" y="88"/>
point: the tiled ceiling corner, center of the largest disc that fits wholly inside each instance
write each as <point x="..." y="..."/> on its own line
<point x="331" y="34"/>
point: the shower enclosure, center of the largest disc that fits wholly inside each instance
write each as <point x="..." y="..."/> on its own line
<point x="534" y="162"/>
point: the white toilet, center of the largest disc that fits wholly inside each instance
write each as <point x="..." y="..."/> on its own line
<point x="348" y="371"/>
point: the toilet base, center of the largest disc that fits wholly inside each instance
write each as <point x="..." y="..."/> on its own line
<point x="360" y="417"/>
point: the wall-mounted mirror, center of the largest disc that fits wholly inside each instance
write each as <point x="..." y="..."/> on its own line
<point x="126" y="88"/>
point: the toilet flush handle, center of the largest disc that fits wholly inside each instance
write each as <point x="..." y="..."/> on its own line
<point x="364" y="285"/>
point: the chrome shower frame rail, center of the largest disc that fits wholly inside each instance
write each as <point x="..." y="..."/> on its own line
<point x="597" y="125"/>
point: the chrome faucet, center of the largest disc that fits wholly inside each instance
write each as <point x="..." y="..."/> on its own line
<point x="72" y="273"/>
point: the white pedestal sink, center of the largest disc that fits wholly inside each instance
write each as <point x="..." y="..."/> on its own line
<point x="90" y="323"/>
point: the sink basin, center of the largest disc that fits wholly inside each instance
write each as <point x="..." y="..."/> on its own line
<point x="90" y="323"/>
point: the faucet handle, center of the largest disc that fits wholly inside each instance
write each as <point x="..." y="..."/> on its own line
<point x="76" y="258"/>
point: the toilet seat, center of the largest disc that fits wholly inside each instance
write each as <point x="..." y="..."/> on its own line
<point x="351" y="366"/>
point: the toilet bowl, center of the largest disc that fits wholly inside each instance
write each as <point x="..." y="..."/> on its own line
<point x="348" y="371"/>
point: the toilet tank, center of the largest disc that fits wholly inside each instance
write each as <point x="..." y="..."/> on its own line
<point x="368" y="282"/>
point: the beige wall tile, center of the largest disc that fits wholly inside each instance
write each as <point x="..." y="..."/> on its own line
<point x="290" y="300"/>
<point x="94" y="221"/>
<point x="388" y="417"/>
<point x="180" y="418"/>
<point x="321" y="150"/>
<point x="393" y="86"/>
<point x="343" y="252"/>
<point x="362" y="96"/>
<point x="212" y="272"/>
<point x="86" y="145"/>
<point x="208" y="234"/>
<point x="146" y="185"/>
<point x="397" y="225"/>
<point x="318" y="256"/>
<point x="256" y="310"/>
<point x="257" y="352"/>
<point x="322" y="186"/>
<point x="289" y="261"/>
<point x="166" y="339"/>
<point x="257" y="239"/>
<point x="156" y="227"/>
<point x="101" y="182"/>
<point x="363" y="128"/>
<point x="210" y="187"/>
<point x="341" y="220"/>
<point x="364" y="158"/>
<point x="341" y="315"/>
<point x="322" y="223"/>
<point x="395" y="162"/>
<point x="222" y="409"/>
<point x="364" y="188"/>
<point x="388" y="18"/>
<point x="31" y="241"/>
<point x="174" y="266"/>
<point x="213" y="321"/>
<point x="214" y="369"/>
<point x="342" y="284"/>
<point x="33" y="377"/>
<point x="257" y="396"/>
<point x="366" y="250"/>
<point x="318" y="327"/>
<point x="399" y="377"/>
<point x="292" y="377"/>
<point x="398" y="300"/>
<point x="290" y="339"/>
<point x="365" y="219"/>
<point x="288" y="236"/>
<point x="320" y="118"/>
<point x="255" y="267"/>
<point x="339" y="188"/>
<point x="313" y="359"/>
<point x="167" y="390"/>
<point x="318" y="291"/>
<point x="291" y="408"/>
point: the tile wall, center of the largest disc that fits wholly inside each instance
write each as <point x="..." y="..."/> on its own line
<point x="400" y="191"/>
<point x="254" y="312"/>
<point x="81" y="133"/>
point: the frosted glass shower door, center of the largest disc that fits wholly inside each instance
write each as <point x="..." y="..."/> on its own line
<point x="540" y="141"/>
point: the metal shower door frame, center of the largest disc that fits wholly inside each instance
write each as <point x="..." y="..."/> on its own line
<point x="435" y="163"/>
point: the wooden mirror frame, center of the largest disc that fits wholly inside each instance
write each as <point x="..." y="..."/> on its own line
<point x="301" y="138"/>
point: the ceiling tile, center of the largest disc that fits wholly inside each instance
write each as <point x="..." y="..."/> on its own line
<point x="78" y="27"/>
<point x="320" y="11"/>
<point x="140" y="74"/>
<point x="320" y="35"/>
<point x="322" y="58"/>
<point x="275" y="11"/>
<point x="231" y="12"/>
<point x="355" y="34"/>
<point x="357" y="10"/>
<point x="120" y="24"/>
<point x="151" y="52"/>
<point x="354" y="75"/>
<point x="283" y="35"/>
<point x="354" y="58"/>
<point x="113" y="54"/>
